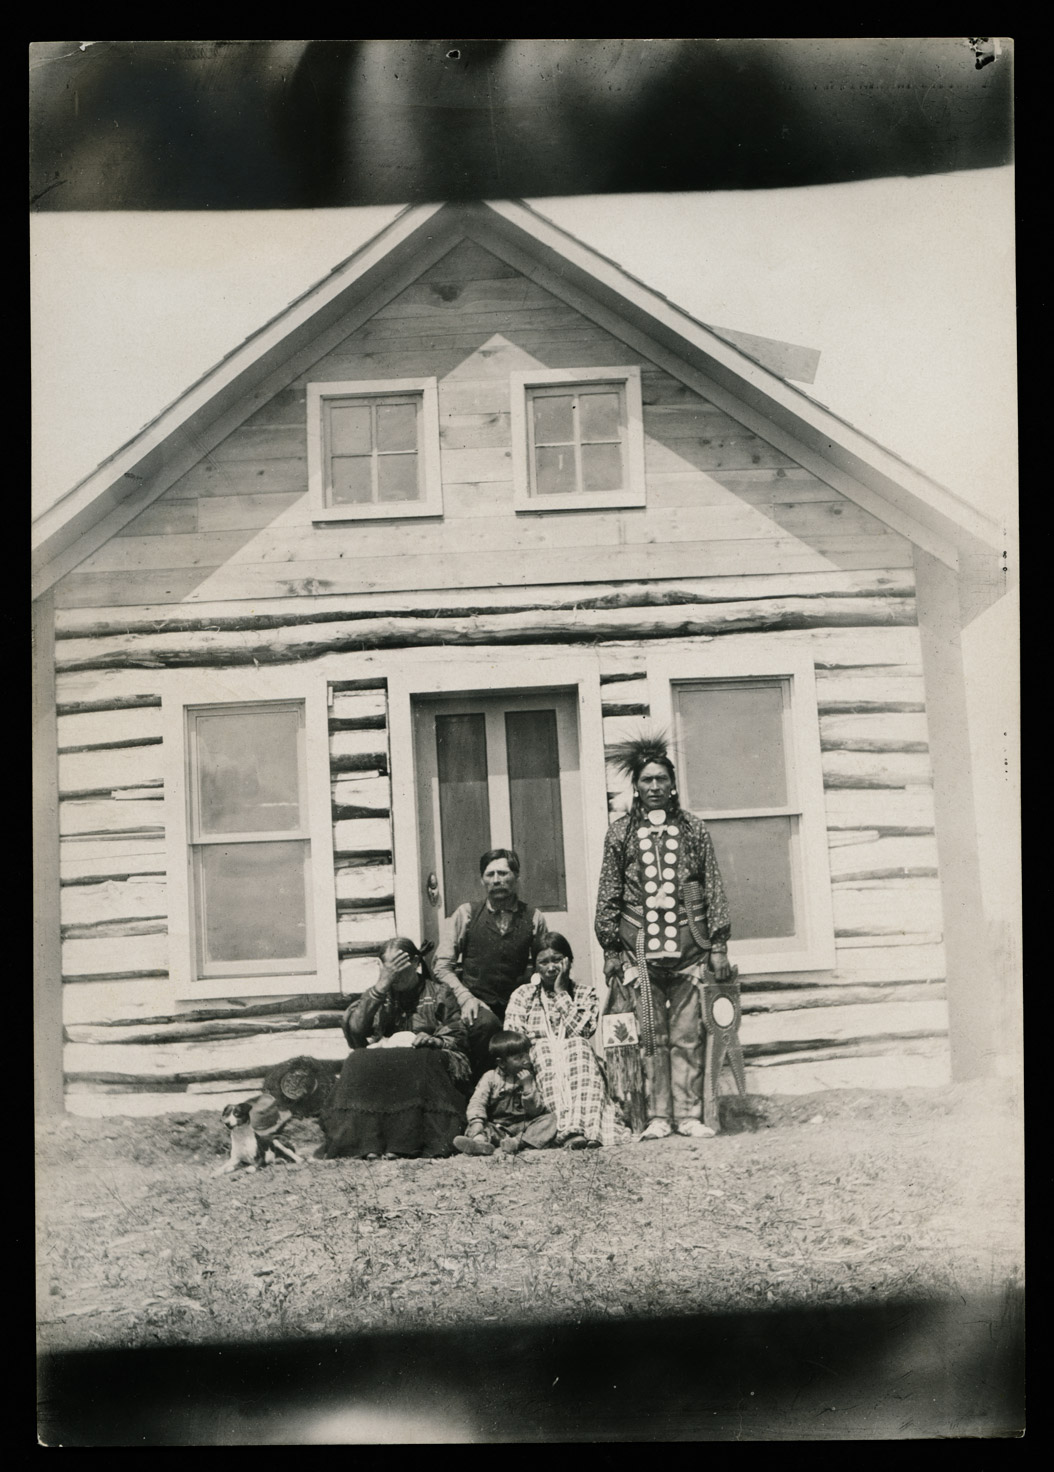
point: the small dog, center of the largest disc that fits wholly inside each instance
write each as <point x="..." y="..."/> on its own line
<point x="254" y="1125"/>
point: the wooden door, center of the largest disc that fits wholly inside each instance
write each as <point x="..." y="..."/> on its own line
<point x="502" y="771"/>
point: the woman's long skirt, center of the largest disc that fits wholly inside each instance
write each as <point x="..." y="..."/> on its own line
<point x="571" y="1081"/>
<point x="392" y="1101"/>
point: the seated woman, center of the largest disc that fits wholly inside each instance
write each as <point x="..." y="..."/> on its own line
<point x="397" y="1094"/>
<point x="560" y="1016"/>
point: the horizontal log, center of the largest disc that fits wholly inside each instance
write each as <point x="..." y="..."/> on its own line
<point x="924" y="1068"/>
<point x="125" y="1003"/>
<point x="584" y="625"/>
<point x="890" y="813"/>
<point x="356" y="974"/>
<point x="365" y="682"/>
<point x="358" y="750"/>
<point x="110" y="929"/>
<point x="112" y="900"/>
<point x="885" y="910"/>
<point x="852" y="836"/>
<point x="361" y="797"/>
<point x="212" y="1031"/>
<point x="368" y="886"/>
<point x="879" y="769"/>
<point x="359" y="706"/>
<point x="840" y="1023"/>
<point x="623" y="683"/>
<point x="808" y="998"/>
<point x="366" y="928"/>
<point x="94" y="1101"/>
<point x="884" y="732"/>
<point x="853" y="694"/>
<point x="91" y="860"/>
<point x="892" y="884"/>
<point x="106" y="769"/>
<point x="915" y="938"/>
<point x="192" y="1062"/>
<point x="860" y="963"/>
<point x="362" y="836"/>
<point x="624" y="708"/>
<point x="886" y="858"/>
<point x="130" y="726"/>
<point x="141" y="955"/>
<point x="469" y="602"/>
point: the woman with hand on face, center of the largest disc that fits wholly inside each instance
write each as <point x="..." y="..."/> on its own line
<point x="398" y="1093"/>
<point x="559" y="1016"/>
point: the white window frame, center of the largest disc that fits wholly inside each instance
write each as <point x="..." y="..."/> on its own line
<point x="627" y="381"/>
<point x="227" y="688"/>
<point x="814" y="947"/>
<point x="431" y="501"/>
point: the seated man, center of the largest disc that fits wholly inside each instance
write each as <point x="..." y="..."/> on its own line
<point x="485" y="951"/>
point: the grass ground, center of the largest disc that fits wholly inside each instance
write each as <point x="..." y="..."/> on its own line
<point x="842" y="1198"/>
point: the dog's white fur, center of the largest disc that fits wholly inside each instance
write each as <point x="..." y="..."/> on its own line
<point x="250" y="1151"/>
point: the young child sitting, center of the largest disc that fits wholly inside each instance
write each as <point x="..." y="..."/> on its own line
<point x="506" y="1107"/>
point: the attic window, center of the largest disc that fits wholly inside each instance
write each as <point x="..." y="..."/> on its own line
<point x="373" y="450"/>
<point x="578" y="441"/>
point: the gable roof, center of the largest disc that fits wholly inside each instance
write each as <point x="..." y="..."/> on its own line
<point x="907" y="500"/>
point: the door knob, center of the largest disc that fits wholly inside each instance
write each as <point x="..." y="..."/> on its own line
<point x="432" y="890"/>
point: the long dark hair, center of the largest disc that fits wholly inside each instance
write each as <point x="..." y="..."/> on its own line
<point x="552" y="940"/>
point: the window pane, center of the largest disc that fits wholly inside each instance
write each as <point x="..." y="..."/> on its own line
<point x="553" y="421"/>
<point x="352" y="480"/>
<point x="396" y="477"/>
<point x="534" y="797"/>
<point x="601" y="467"/>
<point x="555" y="471"/>
<point x="754" y="856"/>
<point x="397" y="426"/>
<point x="731" y="744"/>
<point x="349" y="429"/>
<point x="252" y="902"/>
<point x="248" y="771"/>
<point x="464" y="804"/>
<point x="598" y="416"/>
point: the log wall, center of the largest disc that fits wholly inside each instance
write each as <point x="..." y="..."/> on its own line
<point x="226" y="570"/>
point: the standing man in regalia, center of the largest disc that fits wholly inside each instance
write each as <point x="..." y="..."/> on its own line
<point x="662" y="920"/>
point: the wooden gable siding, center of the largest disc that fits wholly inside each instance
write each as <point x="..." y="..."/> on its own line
<point x="721" y="501"/>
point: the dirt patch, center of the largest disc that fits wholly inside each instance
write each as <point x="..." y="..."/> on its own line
<point x="832" y="1198"/>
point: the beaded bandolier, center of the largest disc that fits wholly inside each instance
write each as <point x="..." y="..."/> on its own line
<point x="670" y="920"/>
<point x="661" y="914"/>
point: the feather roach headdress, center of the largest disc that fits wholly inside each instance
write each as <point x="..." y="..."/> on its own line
<point x="631" y="757"/>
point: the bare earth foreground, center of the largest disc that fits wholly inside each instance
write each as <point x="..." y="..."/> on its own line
<point x="828" y="1200"/>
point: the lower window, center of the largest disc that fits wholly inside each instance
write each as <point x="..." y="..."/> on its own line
<point x="746" y="749"/>
<point x="249" y="825"/>
<point x="250" y="849"/>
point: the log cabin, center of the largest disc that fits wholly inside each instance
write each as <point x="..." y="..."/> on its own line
<point x="373" y="595"/>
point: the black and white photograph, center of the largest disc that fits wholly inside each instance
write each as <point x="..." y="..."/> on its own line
<point x="525" y="588"/>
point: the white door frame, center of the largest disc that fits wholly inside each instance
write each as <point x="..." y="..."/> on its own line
<point x="512" y="673"/>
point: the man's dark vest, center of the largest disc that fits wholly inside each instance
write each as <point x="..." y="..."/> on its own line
<point x="494" y="965"/>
